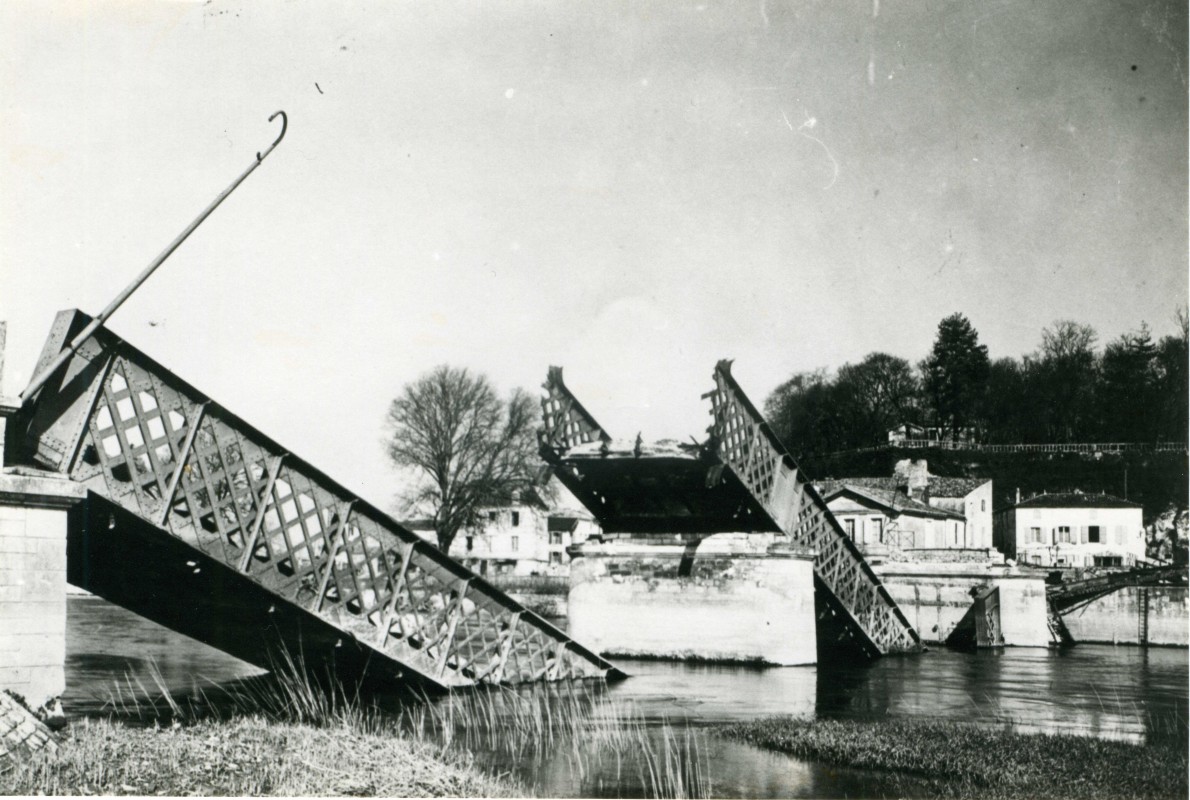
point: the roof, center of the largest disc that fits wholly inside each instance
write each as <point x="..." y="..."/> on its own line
<point x="954" y="487"/>
<point x="939" y="486"/>
<point x="1076" y="500"/>
<point x="891" y="499"/>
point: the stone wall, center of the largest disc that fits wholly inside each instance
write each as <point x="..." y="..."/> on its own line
<point x="32" y="602"/>
<point x="1116" y="617"/>
<point x="935" y="597"/>
<point x="550" y="606"/>
<point x="33" y="586"/>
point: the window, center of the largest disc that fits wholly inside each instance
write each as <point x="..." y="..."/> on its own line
<point x="849" y="526"/>
<point x="555" y="538"/>
<point x="1035" y="535"/>
<point x="491" y="516"/>
<point x="983" y="504"/>
<point x="1063" y="533"/>
<point x="1093" y="533"/>
<point x="878" y="529"/>
<point x="555" y="558"/>
<point x="516" y="543"/>
<point x="470" y="543"/>
<point x="956" y="534"/>
<point x="516" y="519"/>
<point x="1108" y="561"/>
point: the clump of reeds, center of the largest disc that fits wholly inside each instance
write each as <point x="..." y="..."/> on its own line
<point x="597" y="736"/>
<point x="496" y="730"/>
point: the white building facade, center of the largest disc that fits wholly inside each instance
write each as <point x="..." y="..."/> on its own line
<point x="914" y="510"/>
<point x="1072" y="530"/>
<point x="525" y="537"/>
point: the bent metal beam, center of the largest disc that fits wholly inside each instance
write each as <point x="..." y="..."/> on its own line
<point x="281" y="531"/>
<point x="740" y="480"/>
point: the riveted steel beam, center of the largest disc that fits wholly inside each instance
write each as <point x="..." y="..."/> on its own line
<point x="390" y="590"/>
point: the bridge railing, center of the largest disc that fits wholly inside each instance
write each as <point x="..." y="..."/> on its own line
<point x="127" y="428"/>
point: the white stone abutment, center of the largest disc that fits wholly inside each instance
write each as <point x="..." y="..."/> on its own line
<point x="739" y="602"/>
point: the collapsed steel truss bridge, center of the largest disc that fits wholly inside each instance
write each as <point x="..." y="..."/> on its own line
<point x="181" y="489"/>
<point x="741" y="479"/>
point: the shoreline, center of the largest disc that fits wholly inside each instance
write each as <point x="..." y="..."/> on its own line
<point x="968" y="760"/>
<point x="250" y="755"/>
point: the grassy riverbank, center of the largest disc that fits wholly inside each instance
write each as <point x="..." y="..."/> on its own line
<point x="967" y="761"/>
<point x="285" y="734"/>
<point x="245" y="756"/>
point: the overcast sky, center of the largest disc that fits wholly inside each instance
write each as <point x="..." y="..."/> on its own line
<point x="630" y="190"/>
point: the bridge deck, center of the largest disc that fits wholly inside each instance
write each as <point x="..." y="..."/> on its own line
<point x="1066" y="597"/>
<point x="740" y="480"/>
<point x="132" y="432"/>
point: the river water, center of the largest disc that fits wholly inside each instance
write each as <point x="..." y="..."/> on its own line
<point x="1114" y="692"/>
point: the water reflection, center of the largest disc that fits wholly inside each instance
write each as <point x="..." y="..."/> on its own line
<point x="106" y="645"/>
<point x="1097" y="690"/>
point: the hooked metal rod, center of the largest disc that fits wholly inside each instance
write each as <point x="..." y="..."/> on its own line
<point x="40" y="378"/>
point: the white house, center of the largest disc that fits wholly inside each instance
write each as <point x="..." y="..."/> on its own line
<point x="528" y="536"/>
<point x="971" y="497"/>
<point x="883" y="521"/>
<point x="920" y="511"/>
<point x="1072" y="530"/>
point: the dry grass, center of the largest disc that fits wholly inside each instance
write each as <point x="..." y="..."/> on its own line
<point x="288" y="734"/>
<point x="246" y="756"/>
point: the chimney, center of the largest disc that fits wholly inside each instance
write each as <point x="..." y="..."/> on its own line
<point x="914" y="478"/>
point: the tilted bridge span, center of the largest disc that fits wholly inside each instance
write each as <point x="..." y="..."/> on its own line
<point x="740" y="480"/>
<point x="200" y="522"/>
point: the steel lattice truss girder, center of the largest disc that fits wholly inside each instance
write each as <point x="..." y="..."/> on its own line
<point x="741" y="480"/>
<point x="744" y="441"/>
<point x="667" y="493"/>
<point x="128" y="429"/>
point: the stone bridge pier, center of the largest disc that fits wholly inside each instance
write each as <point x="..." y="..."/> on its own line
<point x="938" y="597"/>
<point x="33" y="531"/>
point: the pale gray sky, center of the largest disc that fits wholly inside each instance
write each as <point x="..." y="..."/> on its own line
<point x="630" y="190"/>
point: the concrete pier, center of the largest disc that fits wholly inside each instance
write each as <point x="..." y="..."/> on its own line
<point x="936" y="596"/>
<point x="1158" y="615"/>
<point x="33" y="528"/>
<point x="736" y="605"/>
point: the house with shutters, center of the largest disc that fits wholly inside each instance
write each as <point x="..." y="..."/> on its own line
<point x="886" y="522"/>
<point x="912" y="510"/>
<point x="1073" y="529"/>
<point x="524" y="537"/>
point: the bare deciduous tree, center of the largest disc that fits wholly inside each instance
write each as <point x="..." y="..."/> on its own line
<point x="472" y="448"/>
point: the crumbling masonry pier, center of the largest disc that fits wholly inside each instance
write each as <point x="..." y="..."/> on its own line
<point x="741" y="486"/>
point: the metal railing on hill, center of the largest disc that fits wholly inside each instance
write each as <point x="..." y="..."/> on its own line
<point x="1054" y="447"/>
